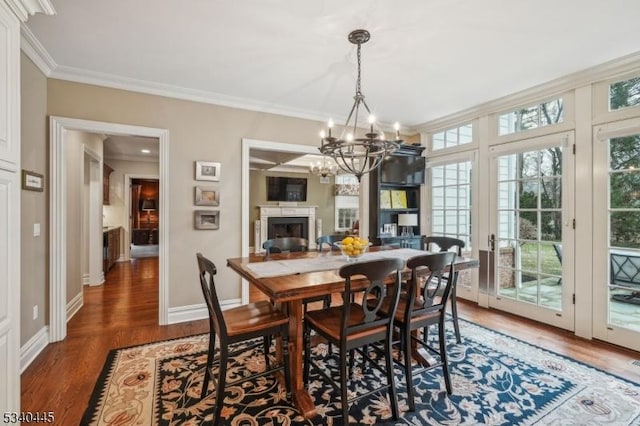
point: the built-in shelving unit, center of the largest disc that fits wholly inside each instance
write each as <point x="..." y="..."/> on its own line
<point x="394" y="189"/>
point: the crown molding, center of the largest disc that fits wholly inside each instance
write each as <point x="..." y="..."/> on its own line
<point x="79" y="75"/>
<point x="26" y="8"/>
<point x="605" y="71"/>
<point x="135" y="158"/>
<point x="35" y="51"/>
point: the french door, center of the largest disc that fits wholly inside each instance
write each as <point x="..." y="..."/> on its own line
<point x="531" y="227"/>
<point x="616" y="242"/>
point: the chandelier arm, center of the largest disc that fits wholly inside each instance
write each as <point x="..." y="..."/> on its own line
<point x="346" y="127"/>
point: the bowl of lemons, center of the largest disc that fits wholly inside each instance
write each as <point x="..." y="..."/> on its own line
<point x="353" y="247"/>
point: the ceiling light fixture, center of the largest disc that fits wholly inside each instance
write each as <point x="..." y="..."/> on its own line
<point x="145" y="151"/>
<point x="359" y="150"/>
<point x="323" y="168"/>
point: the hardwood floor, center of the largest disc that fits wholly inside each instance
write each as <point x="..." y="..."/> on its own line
<point x="124" y="312"/>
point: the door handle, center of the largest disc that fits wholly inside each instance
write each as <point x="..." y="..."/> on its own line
<point x="492" y="242"/>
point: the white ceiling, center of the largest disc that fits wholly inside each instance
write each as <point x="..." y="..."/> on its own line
<point x="130" y="148"/>
<point x="426" y="58"/>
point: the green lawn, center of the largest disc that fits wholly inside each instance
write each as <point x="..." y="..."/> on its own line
<point x="549" y="263"/>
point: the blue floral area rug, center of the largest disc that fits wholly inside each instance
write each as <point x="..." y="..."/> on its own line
<point x="497" y="380"/>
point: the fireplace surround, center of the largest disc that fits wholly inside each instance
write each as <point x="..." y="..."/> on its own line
<point x="286" y="221"/>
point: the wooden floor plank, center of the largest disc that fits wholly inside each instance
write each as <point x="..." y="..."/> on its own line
<point x="124" y="312"/>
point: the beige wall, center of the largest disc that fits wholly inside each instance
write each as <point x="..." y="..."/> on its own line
<point x="74" y="167"/>
<point x="115" y="213"/>
<point x="196" y="132"/>
<point x="34" y="205"/>
<point x="318" y="194"/>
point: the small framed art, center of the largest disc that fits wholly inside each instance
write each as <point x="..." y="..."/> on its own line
<point x="32" y="181"/>
<point x="207" y="170"/>
<point x="206" y="196"/>
<point x="206" y="219"/>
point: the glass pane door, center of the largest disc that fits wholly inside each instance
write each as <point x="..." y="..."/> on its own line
<point x="617" y="242"/>
<point x="530" y="219"/>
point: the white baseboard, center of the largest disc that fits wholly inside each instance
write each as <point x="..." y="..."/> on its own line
<point x="197" y="312"/>
<point x="74" y="306"/>
<point x="33" y="347"/>
<point x="86" y="279"/>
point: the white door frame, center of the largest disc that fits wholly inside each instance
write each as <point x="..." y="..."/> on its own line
<point x="247" y="145"/>
<point x="58" y="127"/>
<point x="565" y="319"/>
<point x="92" y="214"/>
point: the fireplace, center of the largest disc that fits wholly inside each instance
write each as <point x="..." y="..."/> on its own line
<point x="280" y="227"/>
<point x="286" y="221"/>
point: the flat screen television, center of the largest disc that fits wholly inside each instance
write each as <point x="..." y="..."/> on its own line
<point x="286" y="189"/>
<point x="402" y="170"/>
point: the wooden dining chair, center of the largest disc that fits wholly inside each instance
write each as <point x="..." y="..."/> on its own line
<point x="328" y="240"/>
<point x="235" y="325"/>
<point x="355" y="325"/>
<point x="446" y="244"/>
<point x="421" y="307"/>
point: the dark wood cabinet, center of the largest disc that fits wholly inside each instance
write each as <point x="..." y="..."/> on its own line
<point x="106" y="171"/>
<point x="111" y="247"/>
<point x="389" y="199"/>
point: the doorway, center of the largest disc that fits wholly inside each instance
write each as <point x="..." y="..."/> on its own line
<point x="144" y="220"/>
<point x="59" y="128"/>
<point x="532" y="202"/>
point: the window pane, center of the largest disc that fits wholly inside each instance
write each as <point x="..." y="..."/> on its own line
<point x="551" y="193"/>
<point x="625" y="229"/>
<point x="551" y="226"/>
<point x="506" y="226"/>
<point x="531" y="117"/>
<point x="551" y="162"/>
<point x="624" y="94"/>
<point x="507" y="195"/>
<point x="528" y="163"/>
<point x="528" y="197"/>
<point x="528" y="226"/>
<point x="452" y="137"/>
<point x="624" y="153"/>
<point x="625" y="189"/>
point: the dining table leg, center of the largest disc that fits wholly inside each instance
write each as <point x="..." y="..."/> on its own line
<point x="301" y="398"/>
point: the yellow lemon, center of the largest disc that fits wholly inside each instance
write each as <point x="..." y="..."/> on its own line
<point x="347" y="240"/>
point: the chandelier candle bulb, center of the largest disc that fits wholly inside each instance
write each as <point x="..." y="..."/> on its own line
<point x="397" y="127"/>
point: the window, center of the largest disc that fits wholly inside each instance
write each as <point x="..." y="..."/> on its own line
<point x="452" y="137"/>
<point x="533" y="117"/>
<point x="624" y="94"/>
<point x="451" y="201"/>
<point x="346" y="202"/>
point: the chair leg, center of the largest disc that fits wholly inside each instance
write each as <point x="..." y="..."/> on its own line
<point x="344" y="379"/>
<point x="221" y="382"/>
<point x="307" y="355"/>
<point x="443" y="356"/>
<point x="393" y="397"/>
<point x="407" y="368"/>
<point x="454" y="313"/>
<point x="207" y="370"/>
<point x="285" y="359"/>
<point x="266" y="340"/>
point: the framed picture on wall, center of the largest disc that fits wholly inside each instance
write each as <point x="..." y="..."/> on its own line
<point x="207" y="196"/>
<point x="207" y="170"/>
<point x="206" y="219"/>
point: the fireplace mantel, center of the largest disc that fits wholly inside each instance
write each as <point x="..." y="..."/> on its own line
<point x="267" y="211"/>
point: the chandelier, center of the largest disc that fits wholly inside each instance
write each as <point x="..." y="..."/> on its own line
<point x="359" y="150"/>
<point x="323" y="168"/>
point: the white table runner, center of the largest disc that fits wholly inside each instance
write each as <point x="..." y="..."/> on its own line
<point x="323" y="262"/>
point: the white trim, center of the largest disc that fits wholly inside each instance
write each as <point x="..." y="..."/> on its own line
<point x="86" y="279"/>
<point x="74" y="305"/>
<point x="25" y="8"/>
<point x="616" y="129"/>
<point x="35" y="51"/>
<point x="30" y="350"/>
<point x="197" y="312"/>
<point x="141" y="86"/>
<point x="558" y="86"/>
<point x="247" y="144"/>
<point x="57" y="242"/>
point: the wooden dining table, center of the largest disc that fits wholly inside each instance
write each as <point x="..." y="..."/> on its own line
<point x="290" y="278"/>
